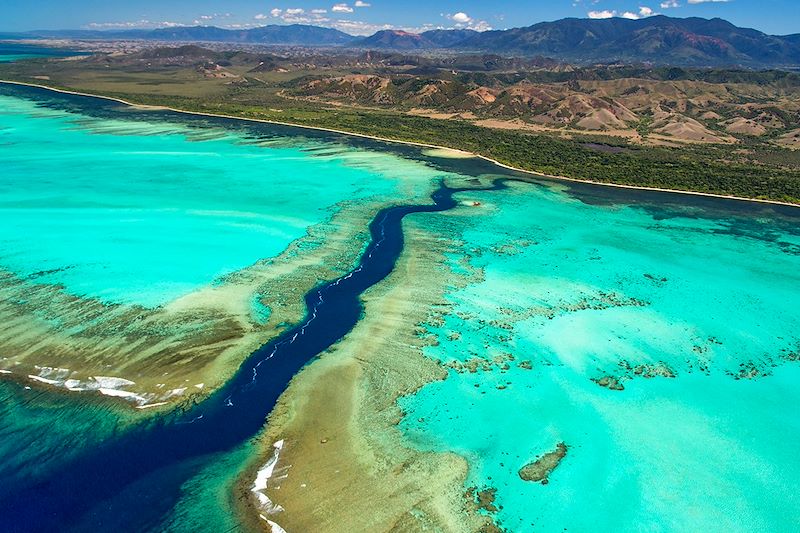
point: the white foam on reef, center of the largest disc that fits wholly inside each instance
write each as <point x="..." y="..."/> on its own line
<point x="73" y="385"/>
<point x="273" y="526"/>
<point x="124" y="394"/>
<point x="5" y="371"/>
<point x="263" y="476"/>
<point x="106" y="385"/>
<point x="149" y="405"/>
<point x="44" y="380"/>
<point x="112" y="383"/>
<point x="174" y="392"/>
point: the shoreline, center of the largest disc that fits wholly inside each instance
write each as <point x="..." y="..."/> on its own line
<point x="408" y="143"/>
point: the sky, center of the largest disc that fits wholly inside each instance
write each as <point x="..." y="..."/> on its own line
<point x="361" y="17"/>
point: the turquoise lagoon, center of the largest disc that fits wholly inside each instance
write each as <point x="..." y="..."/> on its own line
<point x="14" y="51"/>
<point x="145" y="211"/>
<point x="583" y="290"/>
<point x="143" y="207"/>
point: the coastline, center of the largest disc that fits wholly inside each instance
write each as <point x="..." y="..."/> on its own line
<point x="531" y="173"/>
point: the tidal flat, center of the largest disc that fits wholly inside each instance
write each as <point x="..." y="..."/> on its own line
<point x="483" y="353"/>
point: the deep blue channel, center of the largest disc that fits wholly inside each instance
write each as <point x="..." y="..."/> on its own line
<point x="149" y="463"/>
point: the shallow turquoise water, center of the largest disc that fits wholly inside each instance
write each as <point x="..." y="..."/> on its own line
<point x="10" y="51"/>
<point x="146" y="211"/>
<point x="7" y="58"/>
<point x="578" y="290"/>
<point x="145" y="208"/>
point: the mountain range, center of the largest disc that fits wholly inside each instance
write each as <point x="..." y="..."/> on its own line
<point x="659" y="40"/>
<point x="274" y="34"/>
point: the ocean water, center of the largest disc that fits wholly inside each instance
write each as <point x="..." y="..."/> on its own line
<point x="10" y="51"/>
<point x="571" y="290"/>
<point x="143" y="212"/>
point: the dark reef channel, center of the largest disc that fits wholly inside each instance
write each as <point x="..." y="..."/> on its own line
<point x="132" y="480"/>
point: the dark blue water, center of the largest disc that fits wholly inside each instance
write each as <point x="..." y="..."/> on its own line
<point x="131" y="481"/>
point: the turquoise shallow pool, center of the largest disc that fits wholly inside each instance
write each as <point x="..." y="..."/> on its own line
<point x="570" y="293"/>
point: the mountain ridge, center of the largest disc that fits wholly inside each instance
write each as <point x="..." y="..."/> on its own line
<point x="273" y="34"/>
<point x="659" y="40"/>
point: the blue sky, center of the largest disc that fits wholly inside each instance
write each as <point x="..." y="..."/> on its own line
<point x="367" y="16"/>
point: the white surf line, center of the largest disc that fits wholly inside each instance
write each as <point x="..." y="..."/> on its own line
<point x="259" y="487"/>
<point x="409" y="143"/>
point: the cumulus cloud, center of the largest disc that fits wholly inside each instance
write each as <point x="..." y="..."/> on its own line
<point x="706" y="1"/>
<point x="669" y="4"/>
<point x="143" y="24"/>
<point x="357" y="27"/>
<point x="480" y="25"/>
<point x="359" y="3"/>
<point x="644" y="12"/>
<point x="342" y="8"/>
<point x="604" y="14"/>
<point x="463" y="21"/>
<point x="297" y="15"/>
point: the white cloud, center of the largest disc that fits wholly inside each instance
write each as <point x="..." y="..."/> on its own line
<point x="319" y="11"/>
<point x="295" y="11"/>
<point x="705" y="1"/>
<point x="461" y="18"/>
<point x="463" y="21"/>
<point x="276" y="12"/>
<point x="605" y="14"/>
<point x="261" y="16"/>
<point x="669" y="4"/>
<point x="357" y="27"/>
<point x="480" y="25"/>
<point x="359" y="3"/>
<point x="143" y="24"/>
<point x="644" y="12"/>
<point x="342" y="8"/>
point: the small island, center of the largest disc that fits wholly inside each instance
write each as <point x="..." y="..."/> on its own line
<point x="538" y="470"/>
